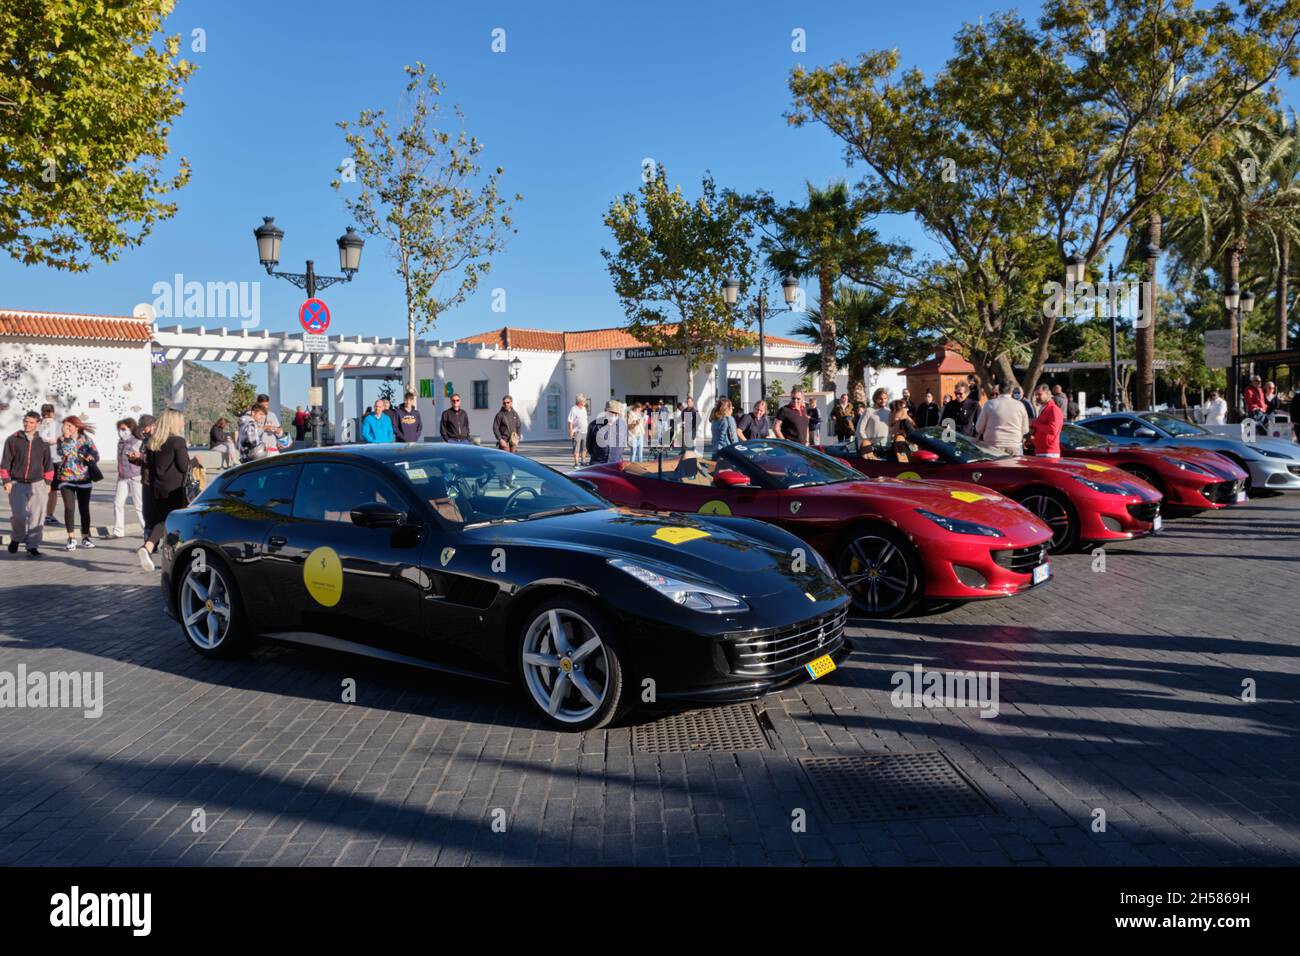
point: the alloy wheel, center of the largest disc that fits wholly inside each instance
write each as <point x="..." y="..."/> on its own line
<point x="205" y="606"/>
<point x="565" y="665"/>
<point x="1053" y="513"/>
<point x="877" y="571"/>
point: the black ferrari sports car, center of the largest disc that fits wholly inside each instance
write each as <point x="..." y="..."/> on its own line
<point x="485" y="563"/>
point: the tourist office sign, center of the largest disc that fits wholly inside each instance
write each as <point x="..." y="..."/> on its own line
<point x="645" y="353"/>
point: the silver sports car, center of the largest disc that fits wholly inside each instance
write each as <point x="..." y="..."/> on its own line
<point x="1273" y="464"/>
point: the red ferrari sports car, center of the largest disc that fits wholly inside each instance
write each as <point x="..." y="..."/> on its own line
<point x="1191" y="479"/>
<point x="892" y="543"/>
<point x="1082" y="501"/>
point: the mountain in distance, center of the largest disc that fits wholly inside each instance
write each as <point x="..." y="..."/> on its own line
<point x="207" y="395"/>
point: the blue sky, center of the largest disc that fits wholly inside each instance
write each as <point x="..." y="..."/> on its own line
<point x="583" y="93"/>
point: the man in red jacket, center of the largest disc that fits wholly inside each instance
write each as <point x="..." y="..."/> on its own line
<point x="1045" y="429"/>
<point x="26" y="471"/>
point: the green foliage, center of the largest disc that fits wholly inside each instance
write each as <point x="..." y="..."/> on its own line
<point x="1029" y="145"/>
<point x="422" y="189"/>
<point x="242" y="392"/>
<point x="873" y="330"/>
<point x="669" y="259"/>
<point x="88" y="94"/>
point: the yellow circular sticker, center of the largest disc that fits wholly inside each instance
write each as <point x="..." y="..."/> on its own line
<point x="909" y="474"/>
<point x="323" y="575"/>
<point x="714" y="507"/>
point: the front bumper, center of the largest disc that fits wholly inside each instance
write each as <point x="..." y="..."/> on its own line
<point x="979" y="573"/>
<point x="1120" y="519"/>
<point x="689" y="667"/>
<point x="1274" y="475"/>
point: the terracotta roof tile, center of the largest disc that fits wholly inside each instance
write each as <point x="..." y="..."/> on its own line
<point x="588" y="340"/>
<point x="71" y="325"/>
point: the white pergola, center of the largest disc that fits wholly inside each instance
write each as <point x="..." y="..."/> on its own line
<point x="353" y="356"/>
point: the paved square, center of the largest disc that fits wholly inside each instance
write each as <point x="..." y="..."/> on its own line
<point x="1120" y="693"/>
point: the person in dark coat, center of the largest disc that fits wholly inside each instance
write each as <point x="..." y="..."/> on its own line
<point x="963" y="410"/>
<point x="506" y="427"/>
<point x="166" y="460"/>
<point x="409" y="427"/>
<point x="453" y="426"/>
<point x="928" y="412"/>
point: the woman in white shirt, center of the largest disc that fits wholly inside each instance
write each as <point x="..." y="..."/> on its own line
<point x="1216" y="409"/>
<point x="636" y="421"/>
<point x="873" y="426"/>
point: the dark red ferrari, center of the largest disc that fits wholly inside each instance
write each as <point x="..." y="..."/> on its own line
<point x="1082" y="501"/>
<point x="1191" y="479"/>
<point x="892" y="543"/>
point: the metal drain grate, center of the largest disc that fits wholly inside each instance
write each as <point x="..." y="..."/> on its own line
<point x="734" y="727"/>
<point x="892" y="787"/>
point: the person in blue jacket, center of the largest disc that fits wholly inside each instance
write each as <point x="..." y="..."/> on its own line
<point x="377" y="427"/>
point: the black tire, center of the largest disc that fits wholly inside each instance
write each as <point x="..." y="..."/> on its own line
<point x="233" y="635"/>
<point x="1053" y="508"/>
<point x="601" y="669"/>
<point x="1147" y="475"/>
<point x="868" y="560"/>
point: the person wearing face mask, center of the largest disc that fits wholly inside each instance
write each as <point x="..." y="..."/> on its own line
<point x="128" y="478"/>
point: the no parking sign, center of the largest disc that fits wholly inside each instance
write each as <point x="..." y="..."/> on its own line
<point x="314" y="316"/>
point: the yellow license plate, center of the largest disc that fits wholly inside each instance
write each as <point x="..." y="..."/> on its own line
<point x="820" y="667"/>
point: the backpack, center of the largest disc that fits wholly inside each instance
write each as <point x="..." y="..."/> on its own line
<point x="597" y="451"/>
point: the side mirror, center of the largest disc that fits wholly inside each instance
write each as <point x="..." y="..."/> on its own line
<point x="924" y="454"/>
<point x="729" y="478"/>
<point x="586" y="483"/>
<point x="375" y="514"/>
<point x="1144" y="433"/>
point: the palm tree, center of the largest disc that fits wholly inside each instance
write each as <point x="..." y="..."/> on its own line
<point x="1252" y="199"/>
<point x="825" y="238"/>
<point x="871" y="331"/>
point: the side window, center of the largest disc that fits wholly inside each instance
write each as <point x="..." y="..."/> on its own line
<point x="270" y="489"/>
<point x="329" y="491"/>
<point x="1105" y="426"/>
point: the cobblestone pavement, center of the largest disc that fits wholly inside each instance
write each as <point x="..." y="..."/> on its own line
<point x="1121" y="693"/>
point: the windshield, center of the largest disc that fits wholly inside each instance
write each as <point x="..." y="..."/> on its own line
<point x="477" y="486"/>
<point x="783" y="464"/>
<point x="962" y="448"/>
<point x="1174" y="426"/>
<point x="1072" y="436"/>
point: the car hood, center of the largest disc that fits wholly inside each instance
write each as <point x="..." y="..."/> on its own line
<point x="1237" y="446"/>
<point x="955" y="499"/>
<point x="692" y="546"/>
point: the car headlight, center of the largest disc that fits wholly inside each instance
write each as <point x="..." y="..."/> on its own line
<point x="695" y="595"/>
<point x="1100" y="488"/>
<point x="1273" y="454"/>
<point x="1192" y="466"/>
<point x="957" y="526"/>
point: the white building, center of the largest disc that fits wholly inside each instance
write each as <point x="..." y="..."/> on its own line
<point x="545" y="372"/>
<point x="96" y="367"/>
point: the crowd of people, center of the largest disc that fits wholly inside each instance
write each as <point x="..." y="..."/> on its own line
<point x="51" y="458"/>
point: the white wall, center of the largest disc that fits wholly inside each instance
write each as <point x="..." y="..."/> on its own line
<point x="98" y="382"/>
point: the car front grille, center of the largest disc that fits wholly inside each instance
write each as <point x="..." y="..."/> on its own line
<point x="785" y="651"/>
<point x="1222" y="492"/>
<point x="1146" y="511"/>
<point x="1022" y="560"/>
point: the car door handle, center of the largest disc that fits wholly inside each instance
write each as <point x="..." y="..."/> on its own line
<point x="277" y="541"/>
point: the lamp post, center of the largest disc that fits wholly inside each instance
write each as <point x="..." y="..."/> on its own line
<point x="1238" y="303"/>
<point x="269" y="237"/>
<point x="1114" y="337"/>
<point x="790" y="292"/>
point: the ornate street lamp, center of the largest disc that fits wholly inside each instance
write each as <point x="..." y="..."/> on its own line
<point x="731" y="295"/>
<point x="1075" y="268"/>
<point x="515" y="365"/>
<point x="656" y="374"/>
<point x="269" y="239"/>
